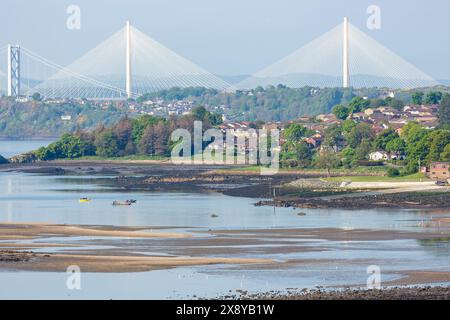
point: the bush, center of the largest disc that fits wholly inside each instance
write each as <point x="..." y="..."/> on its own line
<point x="393" y="172"/>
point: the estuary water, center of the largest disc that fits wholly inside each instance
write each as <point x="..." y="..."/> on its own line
<point x="54" y="199"/>
<point x="9" y="148"/>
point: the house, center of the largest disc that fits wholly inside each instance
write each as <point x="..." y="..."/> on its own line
<point x="22" y="99"/>
<point x="378" y="155"/>
<point x="358" y="116"/>
<point x="439" y="170"/>
<point x="327" y="118"/>
<point x="66" y="118"/>
<point x="396" y="156"/>
<point x="314" y="141"/>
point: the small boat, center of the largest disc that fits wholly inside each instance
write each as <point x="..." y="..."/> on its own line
<point x="122" y="203"/>
<point x="84" y="200"/>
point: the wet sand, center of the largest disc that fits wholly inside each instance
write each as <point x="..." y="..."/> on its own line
<point x="34" y="230"/>
<point x="334" y="234"/>
<point x="420" y="277"/>
<point x="99" y="263"/>
<point x="146" y="251"/>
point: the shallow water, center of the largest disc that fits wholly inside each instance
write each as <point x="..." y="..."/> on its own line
<point x="9" y="148"/>
<point x="39" y="198"/>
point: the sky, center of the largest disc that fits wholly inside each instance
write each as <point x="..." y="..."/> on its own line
<point x="229" y="37"/>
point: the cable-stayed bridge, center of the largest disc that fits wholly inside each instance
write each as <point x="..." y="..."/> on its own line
<point x="125" y="65"/>
<point x="129" y="64"/>
<point x="344" y="56"/>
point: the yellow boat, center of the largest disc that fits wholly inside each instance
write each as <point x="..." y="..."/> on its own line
<point x="84" y="200"/>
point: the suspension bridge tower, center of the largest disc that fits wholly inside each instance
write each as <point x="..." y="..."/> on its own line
<point x="13" y="71"/>
<point x="346" y="67"/>
<point x="128" y="85"/>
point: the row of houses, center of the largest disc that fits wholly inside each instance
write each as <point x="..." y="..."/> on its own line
<point x="382" y="117"/>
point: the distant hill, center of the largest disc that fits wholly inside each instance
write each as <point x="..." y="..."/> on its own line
<point x="445" y="82"/>
<point x="234" y="79"/>
<point x="25" y="120"/>
<point x="280" y="103"/>
<point x="3" y="160"/>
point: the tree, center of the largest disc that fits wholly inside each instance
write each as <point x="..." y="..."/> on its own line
<point x="358" y="104"/>
<point x="376" y="103"/>
<point x="304" y="154"/>
<point x="393" y="172"/>
<point x="123" y="130"/>
<point x="438" y="140"/>
<point x="333" y="137"/>
<point x="445" y="155"/>
<point x="348" y="125"/>
<point x="327" y="159"/>
<point x="384" y="138"/>
<point x="360" y="132"/>
<point x="199" y="113"/>
<point x="68" y="146"/>
<point x="433" y="97"/>
<point x="140" y="124"/>
<point x="72" y="147"/>
<point x="161" y="143"/>
<point x="444" y="112"/>
<point x="348" y="156"/>
<point x="363" y="150"/>
<point x="294" y="132"/>
<point x="215" y="119"/>
<point x="417" y="98"/>
<point x="106" y="144"/>
<point x="298" y="155"/>
<point x="396" y="104"/>
<point x="396" y="145"/>
<point x="147" y="141"/>
<point x="413" y="132"/>
<point x="341" y="112"/>
<point x="417" y="141"/>
<point x="36" y="96"/>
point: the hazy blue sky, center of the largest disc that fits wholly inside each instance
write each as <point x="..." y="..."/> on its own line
<point x="230" y="37"/>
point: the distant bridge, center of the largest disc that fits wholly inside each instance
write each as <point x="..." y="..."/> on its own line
<point x="129" y="64"/>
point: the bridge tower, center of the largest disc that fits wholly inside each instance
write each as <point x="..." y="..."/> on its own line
<point x="346" y="68"/>
<point x="13" y="71"/>
<point x="129" y="88"/>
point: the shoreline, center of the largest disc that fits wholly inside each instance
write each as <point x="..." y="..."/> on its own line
<point x="296" y="189"/>
<point x="385" y="293"/>
<point x="30" y="247"/>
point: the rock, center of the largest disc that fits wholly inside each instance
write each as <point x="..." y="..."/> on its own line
<point x="345" y="184"/>
<point x="28" y="157"/>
